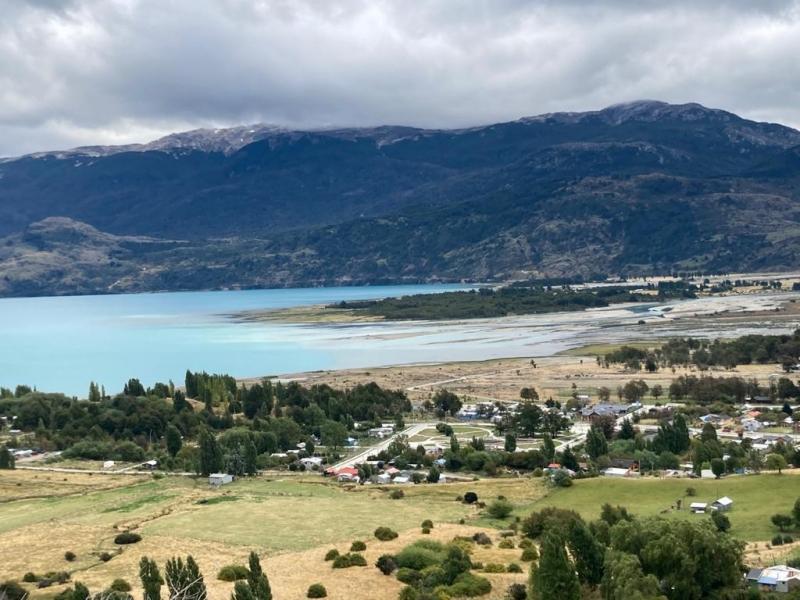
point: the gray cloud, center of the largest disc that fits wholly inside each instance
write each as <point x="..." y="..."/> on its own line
<point x="113" y="71"/>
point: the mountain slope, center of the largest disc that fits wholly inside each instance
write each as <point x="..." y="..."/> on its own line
<point x="638" y="187"/>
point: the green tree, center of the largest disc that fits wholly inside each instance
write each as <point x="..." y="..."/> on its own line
<point x="529" y="393"/>
<point x="554" y="577"/>
<point x="94" y="392"/>
<point x="587" y="553"/>
<point x="776" y="462"/>
<point x="184" y="580"/>
<point x="596" y="444"/>
<point x="446" y="403"/>
<point x="529" y="419"/>
<point x="210" y="453"/>
<point x="250" y="457"/>
<point x="511" y="442"/>
<point x="6" y="458"/>
<point x="173" y="439"/>
<point x="626" y="430"/>
<point x="257" y="579"/>
<point x="548" y="448"/>
<point x="569" y="460"/>
<point x="717" y="467"/>
<point x="796" y="512"/>
<point x="433" y="475"/>
<point x="242" y="591"/>
<point x="151" y="579"/>
<point x="333" y="435"/>
<point x="720" y="520"/>
<point x="623" y="579"/>
<point x="781" y="521"/>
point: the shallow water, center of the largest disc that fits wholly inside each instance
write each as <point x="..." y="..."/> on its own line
<point x="62" y="343"/>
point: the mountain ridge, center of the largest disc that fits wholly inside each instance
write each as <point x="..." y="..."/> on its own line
<point x="633" y="188"/>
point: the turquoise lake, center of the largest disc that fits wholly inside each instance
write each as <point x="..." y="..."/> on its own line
<point x="63" y="343"/>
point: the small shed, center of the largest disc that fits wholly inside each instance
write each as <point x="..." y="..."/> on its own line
<point x="109" y="464"/>
<point x="723" y="503"/>
<point x="218" y="479"/>
<point x="698" y="507"/>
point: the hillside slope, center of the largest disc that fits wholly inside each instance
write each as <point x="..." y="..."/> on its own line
<point x="639" y="187"/>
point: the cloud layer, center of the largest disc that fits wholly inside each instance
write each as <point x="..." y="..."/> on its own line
<point x="115" y="71"/>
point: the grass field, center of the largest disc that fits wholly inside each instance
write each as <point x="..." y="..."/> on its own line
<point x="756" y="498"/>
<point x="291" y="522"/>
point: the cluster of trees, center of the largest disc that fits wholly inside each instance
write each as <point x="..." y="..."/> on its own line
<point x="627" y="558"/>
<point x="530" y="420"/>
<point x="513" y="300"/>
<point x="6" y="458"/>
<point x="143" y="421"/>
<point x="745" y="350"/>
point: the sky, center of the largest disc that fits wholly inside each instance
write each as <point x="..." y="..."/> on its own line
<point x="78" y="72"/>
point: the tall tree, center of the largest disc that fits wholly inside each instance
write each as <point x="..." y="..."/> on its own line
<point x="173" y="439"/>
<point x="94" y="392"/>
<point x="623" y="579"/>
<point x="6" y="458"/>
<point x="210" y="453"/>
<point x="596" y="444"/>
<point x="510" y="443"/>
<point x="548" y="447"/>
<point x="529" y="419"/>
<point x="250" y="456"/>
<point x="257" y="580"/>
<point x="555" y="577"/>
<point x="151" y="579"/>
<point x="184" y="580"/>
<point x="587" y="552"/>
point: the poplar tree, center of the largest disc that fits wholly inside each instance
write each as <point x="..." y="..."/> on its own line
<point x="554" y="577"/>
<point x="151" y="579"/>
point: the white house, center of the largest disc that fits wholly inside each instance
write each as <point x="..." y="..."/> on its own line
<point x="698" y="507"/>
<point x="218" y="479"/>
<point x="619" y="472"/>
<point x="108" y="464"/>
<point x="779" y="578"/>
<point x="311" y="462"/>
<point x="723" y="503"/>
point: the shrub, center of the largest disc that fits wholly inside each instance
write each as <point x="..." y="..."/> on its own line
<point x="69" y="556"/>
<point x="500" y="509"/>
<point x="776" y="541"/>
<point x="417" y="558"/>
<point x="525" y="543"/>
<point x="317" y="590"/>
<point x="427" y="524"/>
<point x="691" y="492"/>
<point x="482" y="539"/>
<point x="506" y="544"/>
<point x="408" y="593"/>
<point x="358" y="546"/>
<point x="120" y="585"/>
<point x="470" y="585"/>
<point x="514" y="568"/>
<point x="29" y="577"/>
<point x="127" y="537"/>
<point x="787" y="539"/>
<point x="332" y="554"/>
<point x="517" y="591"/>
<point x="232" y="573"/>
<point x="349" y="560"/>
<point x="105" y="556"/>
<point x="385" y="534"/>
<point x="494" y="568"/>
<point x="44" y="583"/>
<point x="560" y="518"/>
<point x="426" y="530"/>
<point x="11" y="590"/>
<point x="470" y="498"/>
<point x="509" y="533"/>
<point x="386" y="564"/>
<point x="397" y="494"/>
<point x="529" y="554"/>
<point x="408" y="576"/>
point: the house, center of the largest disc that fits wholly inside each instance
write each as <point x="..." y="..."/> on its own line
<point x="343" y="473"/>
<point x="625" y="463"/>
<point x="593" y="413"/>
<point x="311" y="462"/>
<point x="698" y="507"/>
<point x="384" y="478"/>
<point x="711" y="418"/>
<point x="150" y="464"/>
<point x="779" y="578"/>
<point x="218" y="479"/>
<point x="620" y="472"/>
<point x="723" y="503"/>
<point x="109" y="464"/>
<point x="380" y="432"/>
<point x="750" y="425"/>
<point x="402" y="479"/>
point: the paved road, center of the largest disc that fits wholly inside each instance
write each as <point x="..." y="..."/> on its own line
<point x="383" y="445"/>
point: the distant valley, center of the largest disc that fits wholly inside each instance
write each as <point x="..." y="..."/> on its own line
<point x="644" y="187"/>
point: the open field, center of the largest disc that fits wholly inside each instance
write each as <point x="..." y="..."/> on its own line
<point x="756" y="498"/>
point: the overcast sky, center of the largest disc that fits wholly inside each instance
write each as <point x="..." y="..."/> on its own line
<point x="76" y="72"/>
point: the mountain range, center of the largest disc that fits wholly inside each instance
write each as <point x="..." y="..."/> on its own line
<point x="641" y="187"/>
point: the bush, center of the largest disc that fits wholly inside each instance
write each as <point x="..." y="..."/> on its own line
<point x="385" y="534"/>
<point x="317" y="590"/>
<point x="517" y="591"/>
<point x="332" y="554"/>
<point x="691" y="492"/>
<point x="500" y="509"/>
<point x="417" y="558"/>
<point x="525" y="543"/>
<point x="408" y="576"/>
<point x="358" y="546"/>
<point x="776" y="541"/>
<point x="349" y="560"/>
<point x="127" y="537"/>
<point x="529" y="554"/>
<point x="470" y="498"/>
<point x="470" y="585"/>
<point x="482" y="539"/>
<point x="29" y="577"/>
<point x="120" y="585"/>
<point x="427" y="523"/>
<point x="397" y="494"/>
<point x="426" y="530"/>
<point x="69" y="556"/>
<point x="11" y="590"/>
<point x="408" y="593"/>
<point x="506" y="544"/>
<point x="787" y="539"/>
<point x="514" y="568"/>
<point x="105" y="556"/>
<point x="494" y="568"/>
<point x="232" y="573"/>
<point x="386" y="564"/>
